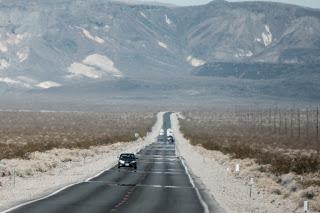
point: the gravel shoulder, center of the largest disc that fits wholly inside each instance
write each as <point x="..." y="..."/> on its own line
<point x="49" y="171"/>
<point x="231" y="190"/>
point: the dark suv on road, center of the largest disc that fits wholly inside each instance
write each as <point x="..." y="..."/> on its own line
<point x="127" y="160"/>
<point x="170" y="139"/>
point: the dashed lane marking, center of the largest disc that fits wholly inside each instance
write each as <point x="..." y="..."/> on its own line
<point x="181" y="172"/>
<point x="143" y="185"/>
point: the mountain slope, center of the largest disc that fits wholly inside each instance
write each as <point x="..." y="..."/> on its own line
<point x="46" y="44"/>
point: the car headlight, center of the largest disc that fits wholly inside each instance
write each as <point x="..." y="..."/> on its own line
<point x="133" y="161"/>
<point x="121" y="161"/>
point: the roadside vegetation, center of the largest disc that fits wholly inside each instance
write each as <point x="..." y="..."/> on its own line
<point x="22" y="133"/>
<point x="288" y="140"/>
<point x="283" y="143"/>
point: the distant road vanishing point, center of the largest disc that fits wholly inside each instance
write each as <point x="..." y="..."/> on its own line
<point x="162" y="183"/>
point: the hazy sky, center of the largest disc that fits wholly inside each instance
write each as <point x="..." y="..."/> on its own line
<point x="308" y="3"/>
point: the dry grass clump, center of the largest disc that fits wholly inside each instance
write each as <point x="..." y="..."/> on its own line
<point x="24" y="132"/>
<point x="227" y="133"/>
<point x="284" y="149"/>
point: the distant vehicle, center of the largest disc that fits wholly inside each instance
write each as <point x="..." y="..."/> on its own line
<point x="127" y="160"/>
<point x="169" y="132"/>
<point x="161" y="138"/>
<point x="161" y="132"/>
<point x="170" y="139"/>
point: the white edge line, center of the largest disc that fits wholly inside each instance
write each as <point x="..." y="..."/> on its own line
<point x="203" y="203"/>
<point x="57" y="191"/>
<point x="100" y="173"/>
<point x="54" y="193"/>
<point x="42" y="198"/>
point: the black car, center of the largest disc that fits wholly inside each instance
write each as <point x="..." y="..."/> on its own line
<point x="170" y="139"/>
<point x="127" y="160"/>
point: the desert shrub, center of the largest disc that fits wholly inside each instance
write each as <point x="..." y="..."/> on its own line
<point x="309" y="183"/>
<point x="25" y="132"/>
<point x="284" y="151"/>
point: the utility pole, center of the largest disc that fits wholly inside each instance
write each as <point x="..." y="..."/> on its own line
<point x="299" y="123"/>
<point x="274" y="121"/>
<point x="307" y="124"/>
<point x="280" y="121"/>
<point x="317" y="140"/>
<point x="291" y="122"/>
<point x="286" y="123"/>
<point x="260" y="115"/>
<point x="270" y="120"/>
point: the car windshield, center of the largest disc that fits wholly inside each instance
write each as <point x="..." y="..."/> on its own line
<point x="127" y="157"/>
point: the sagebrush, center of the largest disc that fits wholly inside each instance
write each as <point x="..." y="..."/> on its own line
<point x="25" y="132"/>
<point x="288" y="144"/>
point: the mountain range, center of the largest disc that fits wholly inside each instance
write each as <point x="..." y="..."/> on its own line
<point x="116" y="49"/>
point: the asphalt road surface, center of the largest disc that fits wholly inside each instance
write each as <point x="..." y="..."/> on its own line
<point x="161" y="184"/>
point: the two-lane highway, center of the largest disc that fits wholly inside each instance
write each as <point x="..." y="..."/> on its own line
<point x="160" y="184"/>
